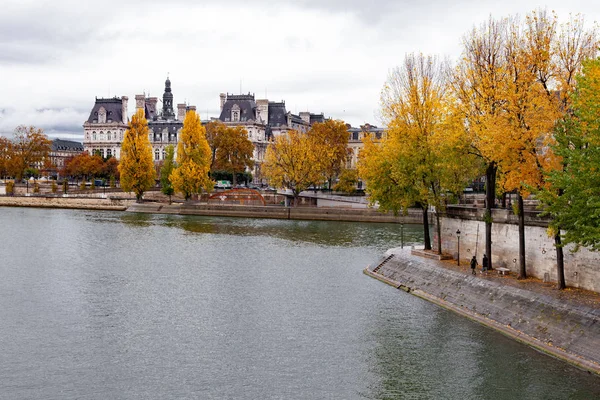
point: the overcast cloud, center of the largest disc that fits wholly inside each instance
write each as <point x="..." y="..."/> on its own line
<point x="321" y="56"/>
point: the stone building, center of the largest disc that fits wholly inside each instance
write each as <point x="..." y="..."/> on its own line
<point x="355" y="137"/>
<point x="60" y="151"/>
<point x="104" y="129"/>
<point x="264" y="120"/>
<point x="107" y="123"/>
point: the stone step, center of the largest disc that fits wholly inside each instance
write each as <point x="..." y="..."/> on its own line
<point x="430" y="254"/>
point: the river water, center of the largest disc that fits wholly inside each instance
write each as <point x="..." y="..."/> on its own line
<point x="109" y="305"/>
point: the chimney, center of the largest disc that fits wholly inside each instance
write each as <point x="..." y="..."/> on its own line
<point x="140" y="102"/>
<point x="305" y="116"/>
<point x="262" y="110"/>
<point x="223" y="97"/>
<point x="181" y="112"/>
<point x="191" y="108"/>
<point x="152" y="101"/>
<point x="124" y="101"/>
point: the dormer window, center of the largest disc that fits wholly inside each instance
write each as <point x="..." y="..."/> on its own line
<point x="102" y="115"/>
<point x="235" y="113"/>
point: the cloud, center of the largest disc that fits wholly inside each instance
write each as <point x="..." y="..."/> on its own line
<point x="53" y="121"/>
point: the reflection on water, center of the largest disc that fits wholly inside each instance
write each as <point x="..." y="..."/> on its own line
<point x="117" y="305"/>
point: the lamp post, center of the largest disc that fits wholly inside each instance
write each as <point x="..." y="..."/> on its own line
<point x="402" y="235"/>
<point x="458" y="256"/>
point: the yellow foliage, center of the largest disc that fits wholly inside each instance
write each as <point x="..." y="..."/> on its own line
<point x="136" y="166"/>
<point x="290" y="162"/>
<point x="193" y="158"/>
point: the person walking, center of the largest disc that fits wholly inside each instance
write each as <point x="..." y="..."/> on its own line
<point x="484" y="263"/>
<point x="473" y="265"/>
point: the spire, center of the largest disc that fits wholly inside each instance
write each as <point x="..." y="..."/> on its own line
<point x="167" y="111"/>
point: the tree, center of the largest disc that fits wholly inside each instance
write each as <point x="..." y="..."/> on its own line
<point x="233" y="150"/>
<point x="193" y="158"/>
<point x="477" y="84"/>
<point x="214" y="130"/>
<point x="423" y="158"/>
<point x="5" y="155"/>
<point x="110" y="169"/>
<point x="290" y="162"/>
<point x="29" y="147"/>
<point x="137" y="167"/>
<point x="348" y="178"/>
<point x="166" y="170"/>
<point x="331" y="142"/>
<point x="573" y="195"/>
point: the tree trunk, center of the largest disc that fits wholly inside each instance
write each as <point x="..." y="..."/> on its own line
<point x="522" y="267"/>
<point x="426" y="229"/>
<point x="560" y="262"/>
<point x="439" y="231"/>
<point x="234" y="180"/>
<point x="490" y="196"/>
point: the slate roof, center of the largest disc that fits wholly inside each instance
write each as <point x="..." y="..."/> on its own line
<point x="317" y="118"/>
<point x="172" y="126"/>
<point x="277" y="114"/>
<point x="113" y="107"/>
<point x="66" y="145"/>
<point x="245" y="102"/>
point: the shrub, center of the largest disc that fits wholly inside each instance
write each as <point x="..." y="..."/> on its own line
<point x="54" y="187"/>
<point x="10" y="188"/>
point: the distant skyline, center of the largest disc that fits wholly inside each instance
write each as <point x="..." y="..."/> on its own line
<point x="319" y="56"/>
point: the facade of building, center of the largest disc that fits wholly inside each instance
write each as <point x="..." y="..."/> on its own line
<point x="355" y="144"/>
<point x="264" y="120"/>
<point x="107" y="123"/>
<point x="60" y="151"/>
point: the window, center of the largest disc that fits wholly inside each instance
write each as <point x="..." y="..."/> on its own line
<point x="121" y="135"/>
<point x="156" y="155"/>
<point x="164" y="154"/>
<point x="109" y="153"/>
<point x="94" y="136"/>
<point x="108" y="136"/>
<point x="235" y="113"/>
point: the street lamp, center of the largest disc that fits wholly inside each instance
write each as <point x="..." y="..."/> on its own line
<point x="402" y="235"/>
<point x="458" y="256"/>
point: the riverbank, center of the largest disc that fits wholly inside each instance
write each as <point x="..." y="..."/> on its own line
<point x="277" y="212"/>
<point x="89" y="203"/>
<point x="204" y="209"/>
<point x="563" y="324"/>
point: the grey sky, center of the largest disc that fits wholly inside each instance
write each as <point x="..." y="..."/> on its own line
<point x="321" y="56"/>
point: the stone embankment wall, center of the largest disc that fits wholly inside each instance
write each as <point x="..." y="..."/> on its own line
<point x="581" y="268"/>
<point x="566" y="331"/>
<point x="296" y="213"/>
<point x="66" y="202"/>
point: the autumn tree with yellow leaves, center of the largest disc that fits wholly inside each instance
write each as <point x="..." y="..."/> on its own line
<point x="233" y="150"/>
<point x="193" y="158"/>
<point x="330" y="139"/>
<point x="424" y="158"/>
<point x="136" y="167"/>
<point x="28" y="149"/>
<point x="290" y="162"/>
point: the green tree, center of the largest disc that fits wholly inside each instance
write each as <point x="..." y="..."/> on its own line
<point x="166" y="170"/>
<point x="348" y="179"/>
<point x="573" y="195"/>
<point x="137" y="167"/>
<point x="193" y="158"/>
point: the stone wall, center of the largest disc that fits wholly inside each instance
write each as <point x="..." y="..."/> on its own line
<point x="66" y="202"/>
<point x="295" y="213"/>
<point x="582" y="269"/>
<point x="566" y="330"/>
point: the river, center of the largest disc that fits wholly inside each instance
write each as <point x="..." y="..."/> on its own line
<point x="111" y="305"/>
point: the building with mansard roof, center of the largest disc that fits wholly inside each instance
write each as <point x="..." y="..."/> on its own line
<point x="108" y="121"/>
<point x="263" y="119"/>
